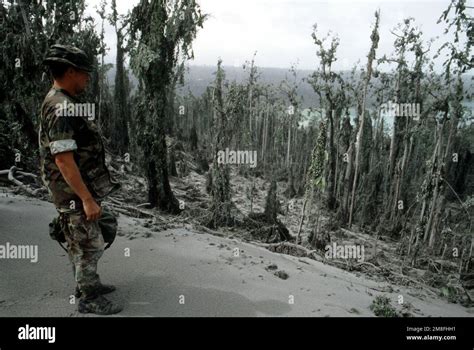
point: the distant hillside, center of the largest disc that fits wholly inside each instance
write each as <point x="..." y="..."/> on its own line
<point x="198" y="78"/>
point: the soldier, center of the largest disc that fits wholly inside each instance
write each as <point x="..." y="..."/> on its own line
<point x="73" y="169"/>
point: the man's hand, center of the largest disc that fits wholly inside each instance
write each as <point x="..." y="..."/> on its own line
<point x="69" y="170"/>
<point x="92" y="210"/>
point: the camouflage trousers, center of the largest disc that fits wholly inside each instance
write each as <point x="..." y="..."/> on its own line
<point x="85" y="241"/>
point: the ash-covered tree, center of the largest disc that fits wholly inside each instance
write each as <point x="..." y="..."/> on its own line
<point x="161" y="36"/>
<point x="407" y="41"/>
<point x="448" y="112"/>
<point x="327" y="85"/>
<point x="119" y="133"/>
<point x="289" y="87"/>
<point x="105" y="101"/>
<point x="226" y="101"/>
<point x="360" y="133"/>
<point x="314" y="181"/>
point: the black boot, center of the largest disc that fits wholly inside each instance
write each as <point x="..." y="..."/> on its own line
<point x="98" y="305"/>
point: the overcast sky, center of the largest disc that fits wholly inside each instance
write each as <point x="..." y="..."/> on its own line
<point x="280" y="30"/>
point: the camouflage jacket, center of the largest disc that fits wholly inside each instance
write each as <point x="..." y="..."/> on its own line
<point x="61" y="132"/>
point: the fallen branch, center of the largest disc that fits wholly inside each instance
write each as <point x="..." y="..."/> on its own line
<point x="33" y="176"/>
<point x="129" y="210"/>
<point x="292" y="249"/>
<point x="208" y="230"/>
<point x="11" y="177"/>
<point x="143" y="205"/>
<point x="367" y="263"/>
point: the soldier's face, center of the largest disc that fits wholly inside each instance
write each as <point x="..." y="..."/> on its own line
<point x="81" y="79"/>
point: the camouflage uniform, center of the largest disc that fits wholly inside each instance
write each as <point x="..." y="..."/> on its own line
<point x="80" y="135"/>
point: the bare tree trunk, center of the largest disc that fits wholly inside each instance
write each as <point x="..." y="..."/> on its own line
<point x="300" y="226"/>
<point x="347" y="183"/>
<point x="434" y="199"/>
<point x="360" y="134"/>
<point x="436" y="221"/>
<point x="288" y="148"/>
<point x="332" y="161"/>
